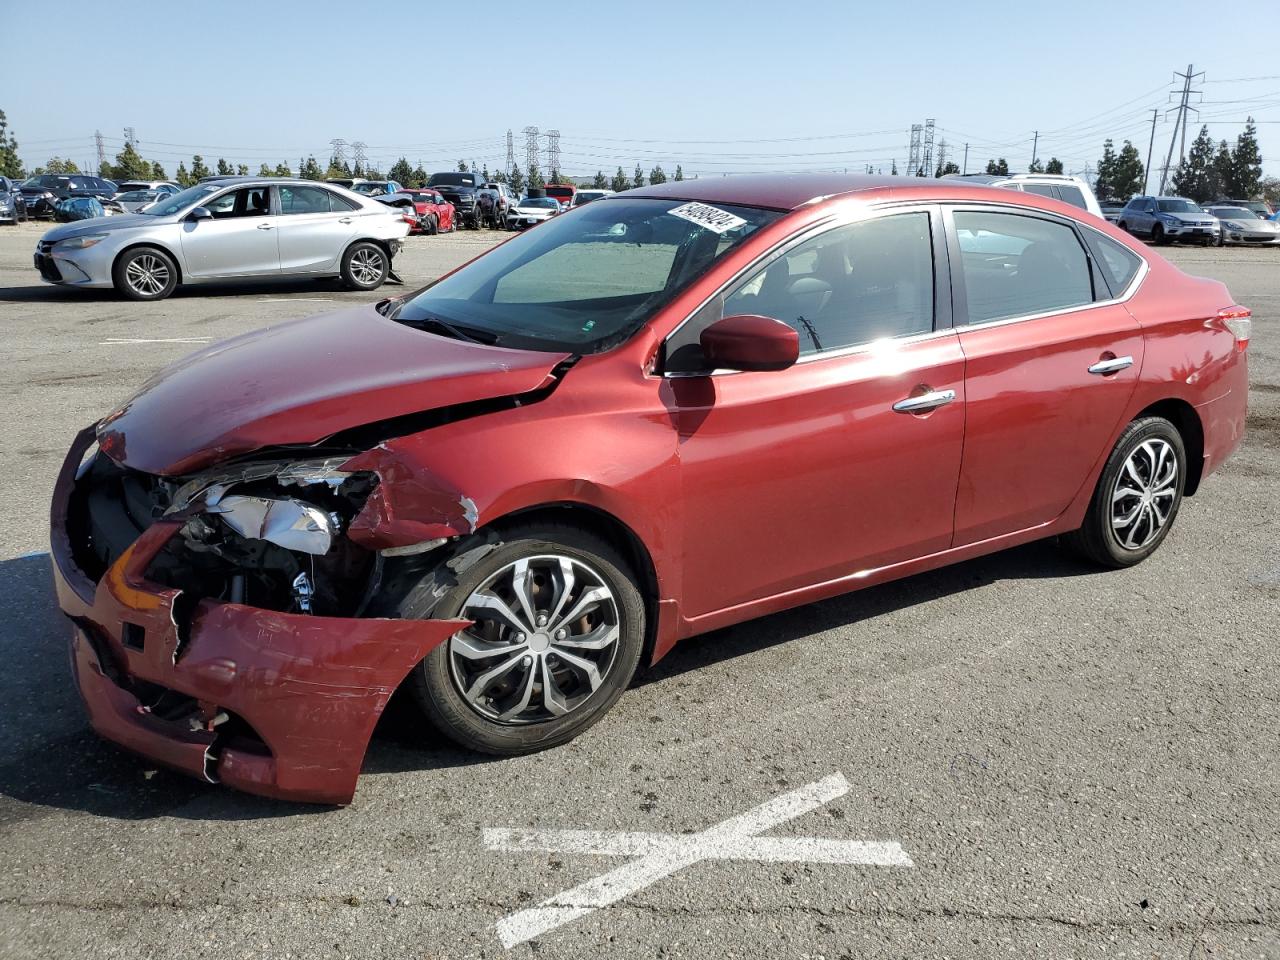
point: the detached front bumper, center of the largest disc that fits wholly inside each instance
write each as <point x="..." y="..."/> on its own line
<point x="277" y="704"/>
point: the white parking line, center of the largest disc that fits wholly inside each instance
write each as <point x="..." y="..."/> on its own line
<point x="660" y="855"/>
<point x="295" y="300"/>
<point x="114" y="341"/>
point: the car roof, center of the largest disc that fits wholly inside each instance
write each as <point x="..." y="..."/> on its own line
<point x="278" y="181"/>
<point x="792" y="191"/>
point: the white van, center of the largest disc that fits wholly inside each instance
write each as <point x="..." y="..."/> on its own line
<point x="1058" y="186"/>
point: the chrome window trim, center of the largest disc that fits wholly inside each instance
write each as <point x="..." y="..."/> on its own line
<point x="836" y="220"/>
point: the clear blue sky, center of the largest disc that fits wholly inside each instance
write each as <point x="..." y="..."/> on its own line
<point x="716" y="86"/>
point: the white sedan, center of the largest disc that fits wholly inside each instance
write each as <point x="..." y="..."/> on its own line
<point x="531" y="211"/>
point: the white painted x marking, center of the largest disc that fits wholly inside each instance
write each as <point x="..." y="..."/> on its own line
<point x="661" y="854"/>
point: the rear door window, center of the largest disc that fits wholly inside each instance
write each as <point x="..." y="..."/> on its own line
<point x="1015" y="265"/>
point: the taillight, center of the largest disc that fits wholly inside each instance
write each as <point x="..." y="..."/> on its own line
<point x="1239" y="321"/>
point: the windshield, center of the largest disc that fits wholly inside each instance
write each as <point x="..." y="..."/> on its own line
<point x="1233" y="213"/>
<point x="46" y="181"/>
<point x="585" y="282"/>
<point x="180" y="201"/>
<point x="586" y="196"/>
<point x="132" y="195"/>
<point x="370" y="188"/>
<point x="565" y="192"/>
<point x="452" y="179"/>
<point x="1177" y="206"/>
<point x="540" y="203"/>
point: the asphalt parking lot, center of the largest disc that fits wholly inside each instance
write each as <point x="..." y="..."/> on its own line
<point x="1049" y="760"/>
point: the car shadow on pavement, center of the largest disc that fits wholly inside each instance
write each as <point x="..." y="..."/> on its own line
<point x="51" y="760"/>
<point x="1042" y="559"/>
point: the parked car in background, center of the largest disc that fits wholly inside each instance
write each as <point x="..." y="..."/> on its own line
<point x="246" y="227"/>
<point x="439" y="517"/>
<point x="371" y="188"/>
<point x="165" y="188"/>
<point x="43" y="192"/>
<point x="436" y="212"/>
<point x="1168" y="219"/>
<point x="532" y="211"/>
<point x="583" y="197"/>
<point x="134" y="200"/>
<point x="1111" y="210"/>
<point x="1241" y="225"/>
<point x="13" y="205"/>
<point x="462" y="189"/>
<point x="496" y="201"/>
<point x="564" y="192"/>
<point x="1073" y="190"/>
<point x="1259" y="207"/>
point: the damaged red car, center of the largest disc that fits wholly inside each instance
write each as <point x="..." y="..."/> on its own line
<point x="659" y="414"/>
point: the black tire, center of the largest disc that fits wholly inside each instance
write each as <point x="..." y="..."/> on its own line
<point x="1097" y="539"/>
<point x="1157" y="235"/>
<point x="359" y="260"/>
<point x="442" y="593"/>
<point x="145" y="273"/>
<point x="1123" y="226"/>
<point x="433" y="225"/>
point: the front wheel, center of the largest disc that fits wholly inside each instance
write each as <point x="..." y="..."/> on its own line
<point x="558" y="626"/>
<point x="1137" y="496"/>
<point x="1157" y="235"/>
<point x="145" y="273"/>
<point x="365" y="266"/>
<point x="433" y="225"/>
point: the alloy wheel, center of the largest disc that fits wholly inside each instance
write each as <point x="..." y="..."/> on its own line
<point x="367" y="265"/>
<point x="1144" y="494"/>
<point x="147" y="275"/>
<point x="544" y="637"/>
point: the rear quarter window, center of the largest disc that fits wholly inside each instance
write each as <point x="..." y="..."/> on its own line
<point x="1119" y="264"/>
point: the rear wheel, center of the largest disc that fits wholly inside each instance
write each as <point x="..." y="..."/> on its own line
<point x="1137" y="496"/>
<point x="365" y="266"/>
<point x="145" y="273"/>
<point x="558" y="627"/>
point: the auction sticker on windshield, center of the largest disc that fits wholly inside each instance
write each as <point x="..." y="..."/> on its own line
<point x="705" y="215"/>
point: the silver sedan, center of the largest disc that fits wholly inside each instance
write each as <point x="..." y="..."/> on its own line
<point x="229" y="229"/>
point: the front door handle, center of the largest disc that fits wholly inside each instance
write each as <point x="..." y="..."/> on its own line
<point x="1113" y="365"/>
<point x="925" y="402"/>
<point x="264" y="226"/>
<point x="345" y="220"/>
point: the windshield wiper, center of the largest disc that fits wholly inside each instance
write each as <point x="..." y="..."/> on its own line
<point x="436" y="325"/>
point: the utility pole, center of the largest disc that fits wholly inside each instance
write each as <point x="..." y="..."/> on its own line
<point x="1184" y="105"/>
<point x="965" y="166"/>
<point x="1035" y="143"/>
<point x="1146" y="173"/>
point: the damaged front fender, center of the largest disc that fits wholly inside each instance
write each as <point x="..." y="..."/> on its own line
<point x="409" y="506"/>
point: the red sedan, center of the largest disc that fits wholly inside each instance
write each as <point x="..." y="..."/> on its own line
<point x="659" y="414"/>
<point x="436" y="212"/>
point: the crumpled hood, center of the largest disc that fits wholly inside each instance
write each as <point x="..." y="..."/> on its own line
<point x="302" y="381"/>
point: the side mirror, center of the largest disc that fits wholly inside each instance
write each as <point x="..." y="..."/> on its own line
<point x="750" y="342"/>
<point x="200" y="213"/>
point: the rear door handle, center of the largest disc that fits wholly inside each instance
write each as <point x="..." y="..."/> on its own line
<point x="925" y="402"/>
<point x="345" y="220"/>
<point x="1114" y="365"/>
<point x="264" y="226"/>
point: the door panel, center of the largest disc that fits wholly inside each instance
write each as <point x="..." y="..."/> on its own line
<point x="235" y="247"/>
<point x="313" y="242"/>
<point x="805" y="475"/>
<point x="1037" y="420"/>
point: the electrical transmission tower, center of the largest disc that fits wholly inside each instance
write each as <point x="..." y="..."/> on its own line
<point x="1183" y="108"/>
<point x="102" y="150"/>
<point x="358" y="148"/>
<point x="530" y="147"/>
<point x="511" y="152"/>
<point x="926" y="160"/>
<point x="942" y="157"/>
<point x="553" y="151"/>
<point x="130" y="137"/>
<point x="913" y="154"/>
<point x="339" y="150"/>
